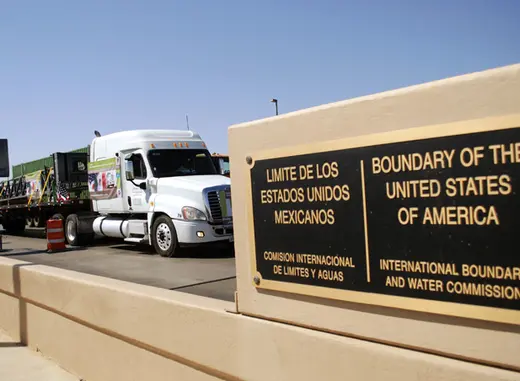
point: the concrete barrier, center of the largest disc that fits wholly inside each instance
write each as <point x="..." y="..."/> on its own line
<point x="104" y="329"/>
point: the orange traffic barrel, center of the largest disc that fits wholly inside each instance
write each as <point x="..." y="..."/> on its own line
<point x="55" y="236"/>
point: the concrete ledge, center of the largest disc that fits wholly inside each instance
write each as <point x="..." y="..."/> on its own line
<point x="104" y="329"/>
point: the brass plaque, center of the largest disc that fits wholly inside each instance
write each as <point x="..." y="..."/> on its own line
<point x="425" y="219"/>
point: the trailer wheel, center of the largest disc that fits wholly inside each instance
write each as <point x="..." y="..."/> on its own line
<point x="164" y="237"/>
<point x="56" y="216"/>
<point x="38" y="220"/>
<point x="29" y="221"/>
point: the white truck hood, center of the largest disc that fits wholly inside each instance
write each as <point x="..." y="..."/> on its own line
<point x="190" y="183"/>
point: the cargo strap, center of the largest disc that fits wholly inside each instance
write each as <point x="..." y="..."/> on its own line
<point x="45" y="186"/>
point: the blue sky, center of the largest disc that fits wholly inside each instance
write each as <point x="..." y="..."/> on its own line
<point x="70" y="67"/>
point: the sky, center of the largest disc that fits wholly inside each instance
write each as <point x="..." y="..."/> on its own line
<point x="68" y="68"/>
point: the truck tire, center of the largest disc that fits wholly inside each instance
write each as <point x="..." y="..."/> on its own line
<point x="72" y="234"/>
<point x="164" y="237"/>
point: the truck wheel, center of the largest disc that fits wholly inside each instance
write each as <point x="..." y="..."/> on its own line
<point x="71" y="230"/>
<point x="72" y="235"/>
<point x="164" y="237"/>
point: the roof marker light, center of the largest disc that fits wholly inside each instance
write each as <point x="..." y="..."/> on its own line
<point x="152" y="145"/>
<point x="175" y="145"/>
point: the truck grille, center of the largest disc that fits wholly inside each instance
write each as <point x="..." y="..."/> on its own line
<point x="215" y="202"/>
<point x="214" y="206"/>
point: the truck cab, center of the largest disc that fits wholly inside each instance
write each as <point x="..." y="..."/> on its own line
<point x="159" y="187"/>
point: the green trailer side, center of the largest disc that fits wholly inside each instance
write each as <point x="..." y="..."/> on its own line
<point x="31" y="166"/>
<point x="39" y="164"/>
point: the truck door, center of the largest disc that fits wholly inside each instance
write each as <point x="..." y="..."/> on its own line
<point x="136" y="193"/>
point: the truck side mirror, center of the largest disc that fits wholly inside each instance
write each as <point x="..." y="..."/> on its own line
<point x="129" y="170"/>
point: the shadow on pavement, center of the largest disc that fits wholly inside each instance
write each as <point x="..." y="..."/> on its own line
<point x="28" y="251"/>
<point x="28" y="233"/>
<point x="17" y="254"/>
<point x="11" y="345"/>
<point x="116" y="244"/>
<point x="183" y="252"/>
<point x="202" y="283"/>
<point x="202" y="252"/>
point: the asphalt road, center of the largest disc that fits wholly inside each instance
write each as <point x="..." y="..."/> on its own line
<point x="210" y="274"/>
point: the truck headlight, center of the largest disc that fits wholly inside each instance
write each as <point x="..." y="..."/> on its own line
<point x="193" y="214"/>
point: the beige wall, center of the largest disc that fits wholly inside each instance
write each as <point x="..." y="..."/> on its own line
<point x="102" y="329"/>
<point x="487" y="94"/>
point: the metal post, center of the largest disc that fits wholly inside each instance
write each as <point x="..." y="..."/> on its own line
<point x="275" y="101"/>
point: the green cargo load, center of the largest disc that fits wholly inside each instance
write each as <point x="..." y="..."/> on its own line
<point x="39" y="164"/>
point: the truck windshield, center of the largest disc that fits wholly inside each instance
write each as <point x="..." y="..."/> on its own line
<point x="180" y="162"/>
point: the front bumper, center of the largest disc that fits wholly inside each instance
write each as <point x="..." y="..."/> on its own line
<point x="200" y="232"/>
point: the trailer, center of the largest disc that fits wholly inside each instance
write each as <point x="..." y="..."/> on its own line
<point x="155" y="187"/>
<point x="55" y="187"/>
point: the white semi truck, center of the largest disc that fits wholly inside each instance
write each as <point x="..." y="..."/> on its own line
<point x="158" y="187"/>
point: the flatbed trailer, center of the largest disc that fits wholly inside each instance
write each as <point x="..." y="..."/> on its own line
<point x="55" y="191"/>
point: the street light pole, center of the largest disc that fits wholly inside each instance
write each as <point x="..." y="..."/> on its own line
<point x="275" y="101"/>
